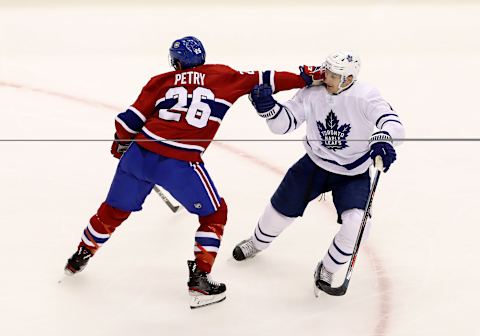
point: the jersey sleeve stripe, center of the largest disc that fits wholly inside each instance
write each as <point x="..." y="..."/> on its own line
<point x="131" y="120"/>
<point x="138" y="113"/>
<point x="295" y="122"/>
<point x="218" y="109"/>
<point x="390" y="120"/>
<point x="268" y="78"/>
<point x="383" y="116"/>
<point x="292" y="120"/>
<point x="289" y="121"/>
<point x="125" y="126"/>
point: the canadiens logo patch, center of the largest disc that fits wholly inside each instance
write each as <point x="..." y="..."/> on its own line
<point x="333" y="136"/>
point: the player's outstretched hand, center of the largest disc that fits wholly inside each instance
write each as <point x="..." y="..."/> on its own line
<point x="312" y="75"/>
<point x="119" y="147"/>
<point x="381" y="145"/>
<point x="263" y="101"/>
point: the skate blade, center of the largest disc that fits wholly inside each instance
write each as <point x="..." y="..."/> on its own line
<point x="316" y="290"/>
<point x="67" y="272"/>
<point x="71" y="272"/>
<point x="199" y="300"/>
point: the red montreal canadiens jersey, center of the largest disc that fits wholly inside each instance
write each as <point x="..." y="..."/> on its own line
<point x="179" y="112"/>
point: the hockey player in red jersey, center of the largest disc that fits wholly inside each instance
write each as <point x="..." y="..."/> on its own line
<point x="160" y="140"/>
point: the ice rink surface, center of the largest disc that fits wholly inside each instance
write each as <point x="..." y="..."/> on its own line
<point x="66" y="72"/>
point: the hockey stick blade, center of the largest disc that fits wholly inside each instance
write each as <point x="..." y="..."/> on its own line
<point x="164" y="198"/>
<point x="334" y="291"/>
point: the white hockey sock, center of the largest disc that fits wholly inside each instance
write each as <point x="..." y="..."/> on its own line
<point x="340" y="251"/>
<point x="269" y="226"/>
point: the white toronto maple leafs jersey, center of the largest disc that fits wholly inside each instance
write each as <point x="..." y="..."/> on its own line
<point x="333" y="120"/>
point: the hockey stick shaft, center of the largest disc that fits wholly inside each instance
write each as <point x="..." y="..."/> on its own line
<point x="165" y="199"/>
<point x="362" y="229"/>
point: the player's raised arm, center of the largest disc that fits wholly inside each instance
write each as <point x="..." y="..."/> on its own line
<point x="281" y="119"/>
<point x="241" y="82"/>
<point x="285" y="118"/>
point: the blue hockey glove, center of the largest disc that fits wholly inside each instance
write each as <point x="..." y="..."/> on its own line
<point x="381" y="145"/>
<point x="263" y="101"/>
<point x="312" y="75"/>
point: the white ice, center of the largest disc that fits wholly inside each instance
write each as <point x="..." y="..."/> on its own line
<point x="66" y="72"/>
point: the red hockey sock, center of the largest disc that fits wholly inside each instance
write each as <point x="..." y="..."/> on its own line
<point x="209" y="236"/>
<point x="101" y="226"/>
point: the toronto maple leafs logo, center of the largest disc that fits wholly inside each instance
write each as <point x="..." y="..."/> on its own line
<point x="350" y="58"/>
<point x="333" y="136"/>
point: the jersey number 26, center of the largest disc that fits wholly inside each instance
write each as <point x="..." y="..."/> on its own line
<point x="197" y="113"/>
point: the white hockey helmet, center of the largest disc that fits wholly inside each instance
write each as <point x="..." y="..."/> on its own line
<point x="343" y="63"/>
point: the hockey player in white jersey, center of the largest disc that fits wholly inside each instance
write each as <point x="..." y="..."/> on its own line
<point x="340" y="110"/>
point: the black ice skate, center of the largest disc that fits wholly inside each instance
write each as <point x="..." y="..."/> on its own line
<point x="202" y="289"/>
<point x="245" y="249"/>
<point x="321" y="276"/>
<point x="78" y="261"/>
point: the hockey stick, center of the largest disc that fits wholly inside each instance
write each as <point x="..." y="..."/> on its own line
<point x="165" y="199"/>
<point x="339" y="291"/>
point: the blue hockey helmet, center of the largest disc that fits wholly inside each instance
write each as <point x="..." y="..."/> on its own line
<point x="187" y="52"/>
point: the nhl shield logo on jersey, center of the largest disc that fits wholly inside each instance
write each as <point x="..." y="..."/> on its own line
<point x="333" y="136"/>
